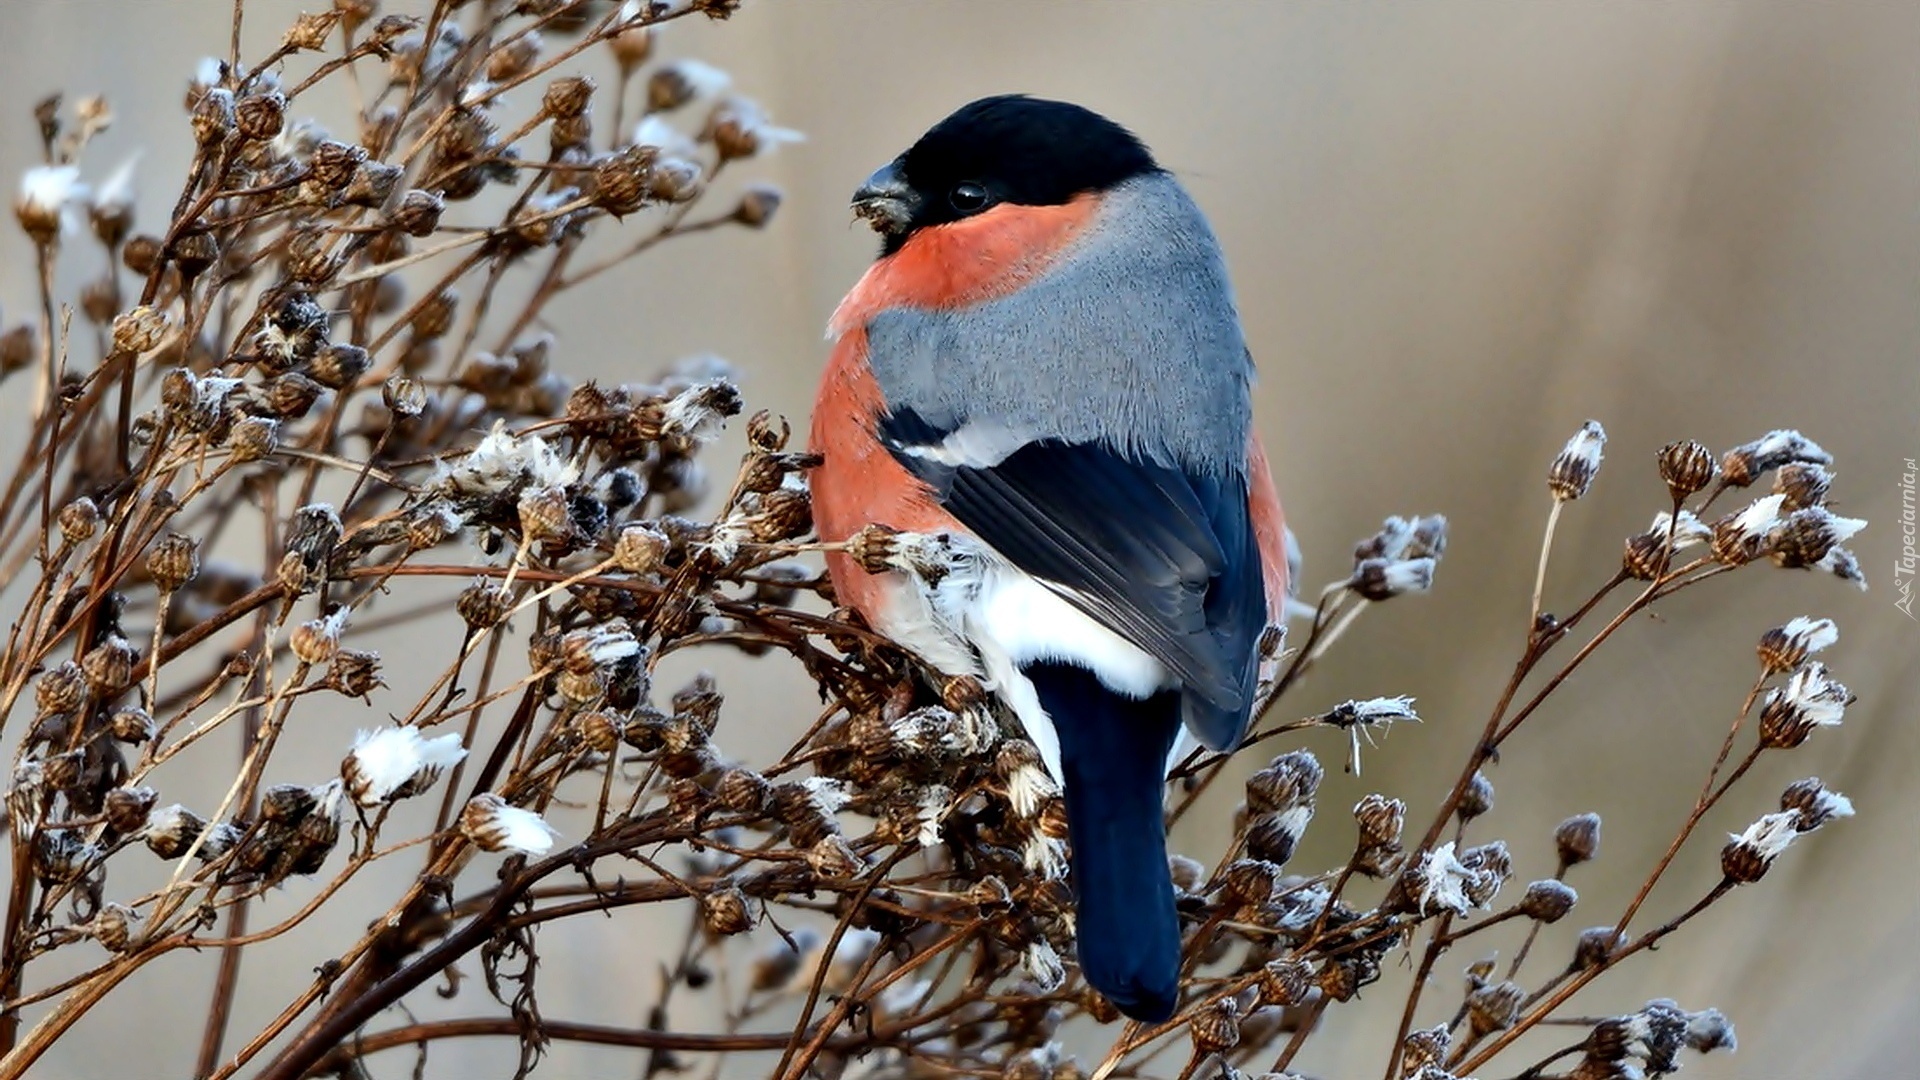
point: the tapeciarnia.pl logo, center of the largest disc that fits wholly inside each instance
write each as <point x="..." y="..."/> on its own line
<point x="1904" y="566"/>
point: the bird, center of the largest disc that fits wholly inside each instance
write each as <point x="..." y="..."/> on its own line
<point x="1044" y="369"/>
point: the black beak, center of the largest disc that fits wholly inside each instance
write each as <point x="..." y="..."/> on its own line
<point x="886" y="201"/>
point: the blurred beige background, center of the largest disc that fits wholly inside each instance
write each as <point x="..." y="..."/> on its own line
<point x="1457" y="230"/>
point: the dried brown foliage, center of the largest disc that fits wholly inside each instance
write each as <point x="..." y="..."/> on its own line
<point x="297" y="403"/>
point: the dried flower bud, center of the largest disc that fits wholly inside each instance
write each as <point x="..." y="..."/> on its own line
<point x="173" y="561"/>
<point x="79" y="520"/>
<point x="757" y="206"/>
<point x="1285" y="982"/>
<point x="1573" y="470"/>
<point x="354" y="672"/>
<point x="260" y="117"/>
<point x="832" y="857"/>
<point x="19" y="348"/>
<point x="1217" y="1027"/>
<point x="483" y="604"/>
<point x="142" y="254"/>
<point x="126" y="809"/>
<point x="640" y="548"/>
<point x="139" y="330"/>
<point x="1289" y="782"/>
<point x="316" y="640"/>
<point x="492" y="825"/>
<point x="309" y="32"/>
<point x="1477" y="799"/>
<point x="213" y="117"/>
<point x="1743" y="464"/>
<point x="291" y="396"/>
<point x="1687" y="467"/>
<point x="724" y="911"/>
<point x="674" y="180"/>
<point x="1250" y="882"/>
<point x="545" y="515"/>
<point x="171" y="830"/>
<point x="435" y="316"/>
<point x="418" y="215"/>
<point x="404" y="396"/>
<point x="683" y="81"/>
<point x="1815" y="803"/>
<point x="567" y="97"/>
<point x="373" y="183"/>
<point x="1548" y="900"/>
<point x="61" y="688"/>
<point x="1577" y="839"/>
<point x="1806" y="536"/>
<point x="1596" y="947"/>
<point x="1803" y="484"/>
<point x="332" y="163"/>
<point x="113" y="927"/>
<point x="254" y="438"/>
<point x="1423" y="1049"/>
<point x="1382" y="579"/>
<point x="108" y="666"/>
<point x="1646" y="556"/>
<point x="631" y="46"/>
<point x="742" y="790"/>
<point x="514" y="58"/>
<point x="131" y="724"/>
<point x="739" y="128"/>
<point x="1274" y="837"/>
<point x="1493" y="1008"/>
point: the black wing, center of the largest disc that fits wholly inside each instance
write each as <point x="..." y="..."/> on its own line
<point x="1165" y="558"/>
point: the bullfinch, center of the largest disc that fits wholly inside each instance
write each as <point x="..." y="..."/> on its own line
<point x="1044" y="368"/>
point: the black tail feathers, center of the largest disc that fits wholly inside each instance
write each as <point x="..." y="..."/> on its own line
<point x="1113" y="751"/>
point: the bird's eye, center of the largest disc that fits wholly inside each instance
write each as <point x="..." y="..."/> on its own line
<point x="969" y="198"/>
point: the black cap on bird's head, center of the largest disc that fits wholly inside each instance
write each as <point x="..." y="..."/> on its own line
<point x="1007" y="149"/>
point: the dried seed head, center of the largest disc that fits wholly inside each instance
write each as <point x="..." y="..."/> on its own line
<point x="131" y="724"/>
<point x="173" y="561"/>
<point x="19" y="348"/>
<point x="435" y="316"/>
<point x="483" y="604"/>
<point x="332" y="163"/>
<point x="62" y="688"/>
<point x="79" y="520"/>
<point x="1646" y="556"/>
<point x="545" y="515"/>
<point x="171" y="830"/>
<point x="286" y="803"/>
<point x="724" y="911"/>
<point x="1285" y="982"/>
<point x="254" y="438"/>
<point x="514" y="59"/>
<point x="213" y="117"/>
<point x="631" y="46"/>
<point x="1477" y="799"/>
<point x="100" y="300"/>
<point x="1809" y="699"/>
<point x="395" y="763"/>
<point x="316" y="640"/>
<point x="742" y="790"/>
<point x="1274" y="837"/>
<point x="757" y="205"/>
<point x="126" y="809"/>
<point x="1493" y="1008"/>
<point x="599" y="731"/>
<point x="141" y="254"/>
<point x="430" y="524"/>
<point x="832" y="857"/>
<point x="1548" y="901"/>
<point x="682" y="82"/>
<point x="1784" y="648"/>
<point x="1744" y="464"/>
<point x="1687" y="467"/>
<point x="1804" y="485"/>
<point x="1381" y="821"/>
<point x="1806" y="536"/>
<point x="641" y="548"/>
<point x="1748" y="855"/>
<point x="1217" y="1027"/>
<point x="1815" y="803"/>
<point x="1577" y="839"/>
<point x="675" y="181"/>
<point x="354" y="672"/>
<point x="291" y="396"/>
<point x="1382" y="579"/>
<point x="108" y="666"/>
<point x="739" y="128"/>
<point x="309" y="32"/>
<point x="418" y="214"/>
<point x="113" y="927"/>
<point x="1250" y="882"/>
<point x="1596" y="947"/>
<point x="404" y="396"/>
<point x="260" y="117"/>
<point x="492" y="825"/>
<point x="1573" y="470"/>
<point x="568" y="97"/>
<point x="139" y="330"/>
<point x="1422" y="1049"/>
